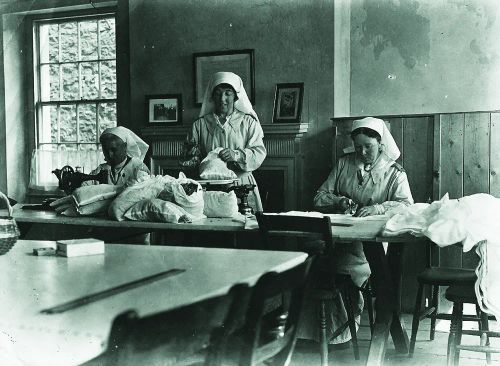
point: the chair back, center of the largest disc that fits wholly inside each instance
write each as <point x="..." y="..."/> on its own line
<point x="272" y="318"/>
<point x="272" y="226"/>
<point x="171" y="337"/>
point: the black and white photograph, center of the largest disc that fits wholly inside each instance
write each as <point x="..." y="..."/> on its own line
<point x="165" y="108"/>
<point x="230" y="182"/>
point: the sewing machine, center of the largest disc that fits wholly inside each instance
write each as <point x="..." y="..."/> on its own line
<point x="69" y="179"/>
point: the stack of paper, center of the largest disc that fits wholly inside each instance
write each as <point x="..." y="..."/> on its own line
<point x="80" y="247"/>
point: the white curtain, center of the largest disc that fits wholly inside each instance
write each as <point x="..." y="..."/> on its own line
<point x="43" y="162"/>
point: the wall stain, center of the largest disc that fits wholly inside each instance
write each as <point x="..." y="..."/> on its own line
<point x="398" y="25"/>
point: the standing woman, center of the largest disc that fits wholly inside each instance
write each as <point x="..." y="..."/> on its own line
<point x="369" y="177"/>
<point x="228" y="120"/>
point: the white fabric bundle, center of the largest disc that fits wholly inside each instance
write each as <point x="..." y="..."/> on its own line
<point x="471" y="220"/>
<point x="147" y="189"/>
<point x="157" y="210"/>
<point x="192" y="203"/>
<point x="213" y="167"/>
<point x="220" y="204"/>
<point x="87" y="200"/>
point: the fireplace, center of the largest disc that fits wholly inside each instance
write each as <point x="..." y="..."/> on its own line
<point x="279" y="178"/>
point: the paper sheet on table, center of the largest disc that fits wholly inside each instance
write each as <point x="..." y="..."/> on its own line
<point x="333" y="217"/>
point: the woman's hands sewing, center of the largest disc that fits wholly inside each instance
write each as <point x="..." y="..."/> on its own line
<point x="366" y="211"/>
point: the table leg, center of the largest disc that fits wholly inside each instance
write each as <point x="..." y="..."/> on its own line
<point x="386" y="278"/>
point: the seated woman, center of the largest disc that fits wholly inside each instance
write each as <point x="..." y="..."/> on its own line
<point x="228" y="120"/>
<point x="124" y="153"/>
<point x="369" y="177"/>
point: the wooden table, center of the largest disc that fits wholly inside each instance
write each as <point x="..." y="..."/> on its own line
<point x="386" y="266"/>
<point x="57" y="226"/>
<point x="31" y="284"/>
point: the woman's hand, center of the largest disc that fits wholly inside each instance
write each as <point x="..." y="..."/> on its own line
<point x="344" y="204"/>
<point x="366" y="211"/>
<point x="227" y="155"/>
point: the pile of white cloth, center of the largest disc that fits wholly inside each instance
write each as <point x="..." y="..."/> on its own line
<point x="471" y="220"/>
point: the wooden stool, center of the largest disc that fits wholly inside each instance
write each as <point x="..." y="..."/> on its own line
<point x="436" y="277"/>
<point x="459" y="295"/>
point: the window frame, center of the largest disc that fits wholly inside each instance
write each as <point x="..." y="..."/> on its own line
<point x="35" y="98"/>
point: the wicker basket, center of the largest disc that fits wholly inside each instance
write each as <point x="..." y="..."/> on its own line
<point x="9" y="233"/>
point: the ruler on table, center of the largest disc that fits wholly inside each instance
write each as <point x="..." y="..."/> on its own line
<point x="73" y="304"/>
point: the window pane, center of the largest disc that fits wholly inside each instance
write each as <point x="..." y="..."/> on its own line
<point x="107" y="116"/>
<point x="68" y="123"/>
<point x="68" y="147"/>
<point x="49" y="43"/>
<point x="92" y="147"/>
<point x="107" y="37"/>
<point x="108" y="79"/>
<point x="87" y="123"/>
<point x="88" y="40"/>
<point x="90" y="80"/>
<point x="69" y="41"/>
<point x="70" y="82"/>
<point x="49" y="85"/>
<point x="47" y="131"/>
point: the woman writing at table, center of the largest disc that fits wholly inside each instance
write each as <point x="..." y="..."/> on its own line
<point x="228" y="120"/>
<point x="370" y="178"/>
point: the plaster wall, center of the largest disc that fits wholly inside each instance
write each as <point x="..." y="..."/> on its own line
<point x="424" y="56"/>
<point x="292" y="41"/>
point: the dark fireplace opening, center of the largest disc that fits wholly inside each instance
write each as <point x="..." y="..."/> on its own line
<point x="272" y="189"/>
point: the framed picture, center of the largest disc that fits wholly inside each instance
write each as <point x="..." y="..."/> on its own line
<point x="164" y="108"/>
<point x="241" y="62"/>
<point x="288" y="103"/>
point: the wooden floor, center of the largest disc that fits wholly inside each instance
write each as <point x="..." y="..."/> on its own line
<point x="427" y="353"/>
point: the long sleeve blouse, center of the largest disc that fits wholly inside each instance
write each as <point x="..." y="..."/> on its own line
<point x="242" y="132"/>
<point x="385" y="185"/>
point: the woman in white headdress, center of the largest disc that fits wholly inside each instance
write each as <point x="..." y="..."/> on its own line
<point x="228" y="120"/>
<point x="124" y="153"/>
<point x="368" y="178"/>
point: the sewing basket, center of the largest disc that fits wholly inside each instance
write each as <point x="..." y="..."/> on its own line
<point x="9" y="233"/>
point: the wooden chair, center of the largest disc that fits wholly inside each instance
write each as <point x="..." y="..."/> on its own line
<point x="269" y="333"/>
<point x="318" y="243"/>
<point x="190" y="335"/>
<point x="460" y="295"/>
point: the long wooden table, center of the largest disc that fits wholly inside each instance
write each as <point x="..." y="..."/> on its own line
<point x="31" y="284"/>
<point x="387" y="267"/>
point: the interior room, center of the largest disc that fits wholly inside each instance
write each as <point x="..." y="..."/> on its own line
<point x="310" y="80"/>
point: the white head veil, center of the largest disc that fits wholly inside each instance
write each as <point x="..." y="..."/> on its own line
<point x="242" y="104"/>
<point x="136" y="147"/>
<point x="387" y="141"/>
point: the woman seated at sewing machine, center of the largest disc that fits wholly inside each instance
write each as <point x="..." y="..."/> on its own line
<point x="124" y="153"/>
<point x="366" y="181"/>
<point x="228" y="120"/>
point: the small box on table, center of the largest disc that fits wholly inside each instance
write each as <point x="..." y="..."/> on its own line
<point x="80" y="247"/>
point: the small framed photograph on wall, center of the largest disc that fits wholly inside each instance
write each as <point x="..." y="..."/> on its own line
<point x="164" y="109"/>
<point x="288" y="103"/>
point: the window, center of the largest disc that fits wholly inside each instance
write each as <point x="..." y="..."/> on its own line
<point x="75" y="91"/>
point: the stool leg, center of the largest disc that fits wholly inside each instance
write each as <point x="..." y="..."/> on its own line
<point x="416" y="319"/>
<point x="435" y="305"/>
<point x="484" y="327"/>
<point x="455" y="336"/>
<point x="323" y="343"/>
<point x="351" y="322"/>
<point x="369" y="300"/>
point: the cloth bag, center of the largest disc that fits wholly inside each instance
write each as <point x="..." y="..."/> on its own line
<point x="192" y="203"/>
<point x="220" y="204"/>
<point x="214" y="168"/>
